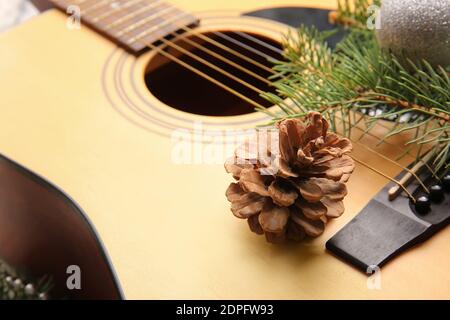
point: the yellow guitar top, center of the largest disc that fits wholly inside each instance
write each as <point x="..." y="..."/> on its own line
<point x="167" y="227"/>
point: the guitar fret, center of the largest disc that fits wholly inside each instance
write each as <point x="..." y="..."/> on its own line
<point x="93" y="7"/>
<point x="109" y="8"/>
<point x="115" y="17"/>
<point x="128" y="4"/>
<point x="150" y="18"/>
<point x="156" y="23"/>
<point x="127" y="22"/>
<point x="134" y="16"/>
<point x="161" y="32"/>
<point x="155" y="28"/>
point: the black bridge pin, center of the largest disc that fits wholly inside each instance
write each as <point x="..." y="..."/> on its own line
<point x="423" y="204"/>
<point x="446" y="182"/>
<point x="436" y="193"/>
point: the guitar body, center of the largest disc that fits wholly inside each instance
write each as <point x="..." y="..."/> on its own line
<point x="76" y="110"/>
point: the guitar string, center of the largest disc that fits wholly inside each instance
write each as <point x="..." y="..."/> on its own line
<point x="202" y="74"/>
<point x="357" y="141"/>
<point x="382" y="140"/>
<point x="396" y="181"/>
<point x="140" y="36"/>
<point x="124" y="6"/>
<point x="157" y="15"/>
<point x="131" y="15"/>
<point x="262" y="43"/>
<point x="410" y="196"/>
<point x="228" y="49"/>
<point x="353" y="157"/>
<point x="150" y="4"/>
<point x="210" y="65"/>
<point x="415" y="158"/>
<point x="374" y="169"/>
<point x="186" y="52"/>
<point x="94" y="6"/>
<point x="382" y="125"/>
<point x="217" y="56"/>
<point x="273" y="49"/>
<point x="220" y="84"/>
<point x="243" y="45"/>
<point x="247" y="36"/>
<point x="231" y="40"/>
<point x="203" y="37"/>
<point x="218" y="44"/>
<point x="207" y="63"/>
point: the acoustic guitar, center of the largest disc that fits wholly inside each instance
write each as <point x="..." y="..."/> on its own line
<point x="123" y="123"/>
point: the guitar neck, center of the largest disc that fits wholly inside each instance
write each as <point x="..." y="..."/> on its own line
<point x="132" y="24"/>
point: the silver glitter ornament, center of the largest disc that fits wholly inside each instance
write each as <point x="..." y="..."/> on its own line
<point x="418" y="29"/>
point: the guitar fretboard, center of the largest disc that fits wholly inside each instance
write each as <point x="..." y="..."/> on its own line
<point x="132" y="24"/>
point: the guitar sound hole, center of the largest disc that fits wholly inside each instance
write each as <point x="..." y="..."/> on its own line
<point x="186" y="90"/>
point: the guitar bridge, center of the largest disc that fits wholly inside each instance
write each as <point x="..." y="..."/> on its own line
<point x="384" y="228"/>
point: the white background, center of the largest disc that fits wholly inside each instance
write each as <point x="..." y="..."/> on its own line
<point x="13" y="12"/>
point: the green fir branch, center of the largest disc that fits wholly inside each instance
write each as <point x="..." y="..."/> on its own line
<point x="17" y="286"/>
<point x="353" y="14"/>
<point x="358" y="75"/>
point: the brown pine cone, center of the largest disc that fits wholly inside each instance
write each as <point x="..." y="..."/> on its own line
<point x="290" y="184"/>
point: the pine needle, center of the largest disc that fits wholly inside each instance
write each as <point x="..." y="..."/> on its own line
<point x="358" y="75"/>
